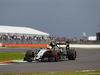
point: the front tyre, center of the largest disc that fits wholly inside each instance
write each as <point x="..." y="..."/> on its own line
<point x="71" y="54"/>
<point x="29" y="56"/>
<point x="29" y="53"/>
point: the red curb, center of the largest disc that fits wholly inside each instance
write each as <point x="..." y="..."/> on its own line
<point x="26" y="45"/>
<point x="6" y="61"/>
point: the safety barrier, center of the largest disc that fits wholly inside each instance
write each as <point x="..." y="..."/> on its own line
<point x="82" y="46"/>
<point x="26" y="45"/>
<point x="46" y="45"/>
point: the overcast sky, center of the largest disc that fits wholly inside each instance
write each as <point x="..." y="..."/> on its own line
<point x="64" y="18"/>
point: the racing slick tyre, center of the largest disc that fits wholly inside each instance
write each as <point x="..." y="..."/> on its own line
<point x="29" y="53"/>
<point x="29" y="56"/>
<point x="30" y="59"/>
<point x="55" y="56"/>
<point x="71" y="54"/>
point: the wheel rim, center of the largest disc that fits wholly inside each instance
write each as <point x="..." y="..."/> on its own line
<point x="57" y="57"/>
<point x="74" y="55"/>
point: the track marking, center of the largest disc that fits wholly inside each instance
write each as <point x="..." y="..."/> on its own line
<point x="87" y="70"/>
<point x="25" y="61"/>
<point x="4" y="64"/>
<point x="93" y="73"/>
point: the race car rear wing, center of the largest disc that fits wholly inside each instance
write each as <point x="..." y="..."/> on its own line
<point x="63" y="43"/>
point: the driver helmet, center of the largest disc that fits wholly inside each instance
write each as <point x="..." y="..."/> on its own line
<point x="52" y="44"/>
<point x="49" y="47"/>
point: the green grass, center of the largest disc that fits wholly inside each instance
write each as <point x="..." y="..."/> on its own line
<point x="60" y="73"/>
<point x="11" y="56"/>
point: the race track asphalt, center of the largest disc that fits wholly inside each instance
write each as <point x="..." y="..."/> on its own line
<point x="87" y="59"/>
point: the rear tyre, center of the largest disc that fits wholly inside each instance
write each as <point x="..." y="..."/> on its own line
<point x="71" y="54"/>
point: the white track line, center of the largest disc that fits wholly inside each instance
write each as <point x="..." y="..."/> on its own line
<point x="25" y="61"/>
<point x="4" y="64"/>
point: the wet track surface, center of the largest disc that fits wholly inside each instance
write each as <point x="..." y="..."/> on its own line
<point x="87" y="59"/>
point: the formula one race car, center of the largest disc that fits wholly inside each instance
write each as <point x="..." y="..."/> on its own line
<point x="53" y="53"/>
